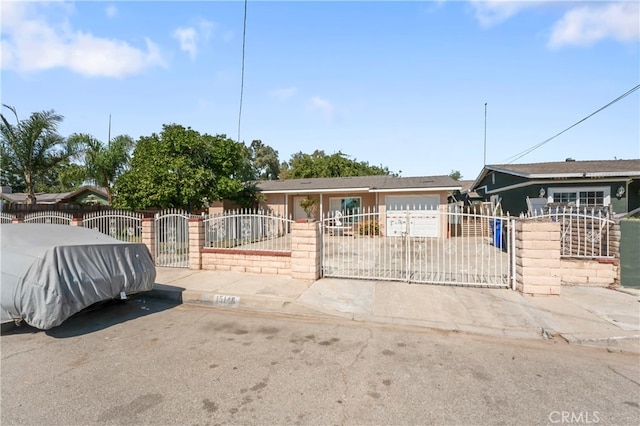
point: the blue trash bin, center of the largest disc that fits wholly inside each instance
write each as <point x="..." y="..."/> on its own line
<point x="497" y="233"/>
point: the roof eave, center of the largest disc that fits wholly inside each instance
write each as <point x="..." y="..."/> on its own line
<point x="433" y="189"/>
<point x="312" y="191"/>
<point x="584" y="175"/>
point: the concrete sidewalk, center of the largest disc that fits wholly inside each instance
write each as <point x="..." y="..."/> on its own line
<point x="580" y="315"/>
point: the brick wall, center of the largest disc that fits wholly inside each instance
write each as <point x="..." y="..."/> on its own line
<point x="589" y="272"/>
<point x="246" y="261"/>
<point x="303" y="262"/>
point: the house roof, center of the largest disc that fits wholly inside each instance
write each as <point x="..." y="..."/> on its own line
<point x="52" y="198"/>
<point x="466" y="188"/>
<point x="567" y="169"/>
<point x="465" y="185"/>
<point x="359" y="184"/>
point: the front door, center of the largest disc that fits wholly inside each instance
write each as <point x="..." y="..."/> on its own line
<point x="298" y="211"/>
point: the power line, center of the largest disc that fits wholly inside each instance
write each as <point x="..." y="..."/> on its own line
<point x="533" y="148"/>
<point x="244" y="37"/>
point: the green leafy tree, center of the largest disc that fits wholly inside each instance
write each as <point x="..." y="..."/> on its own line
<point x="104" y="163"/>
<point x="265" y="161"/>
<point x="180" y="168"/>
<point x="65" y="177"/>
<point x="32" y="147"/>
<point x="10" y="175"/>
<point x="319" y="164"/>
<point x="455" y="175"/>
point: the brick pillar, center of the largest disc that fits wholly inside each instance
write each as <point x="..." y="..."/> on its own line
<point x="76" y="222"/>
<point x="149" y="236"/>
<point x="16" y="220"/>
<point x="538" y="257"/>
<point x="305" y="251"/>
<point x="196" y="242"/>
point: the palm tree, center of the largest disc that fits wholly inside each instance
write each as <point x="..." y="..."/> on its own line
<point x="103" y="164"/>
<point x="33" y="146"/>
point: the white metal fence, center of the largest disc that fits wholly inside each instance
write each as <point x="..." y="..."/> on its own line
<point x="172" y="238"/>
<point x="449" y="247"/>
<point x="248" y="230"/>
<point x="584" y="233"/>
<point x="53" y="217"/>
<point x="120" y="224"/>
<point x="6" y="217"/>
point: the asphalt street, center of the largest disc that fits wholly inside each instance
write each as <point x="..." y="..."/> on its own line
<point x="149" y="361"/>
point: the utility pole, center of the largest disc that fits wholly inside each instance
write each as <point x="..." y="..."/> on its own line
<point x="485" y="134"/>
<point x="109" y="135"/>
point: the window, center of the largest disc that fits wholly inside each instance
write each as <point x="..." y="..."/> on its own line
<point x="581" y="197"/>
<point x="591" y="198"/>
<point x="347" y="206"/>
<point x="564" y="197"/>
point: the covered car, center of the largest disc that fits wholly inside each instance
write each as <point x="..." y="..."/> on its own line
<point x="50" y="272"/>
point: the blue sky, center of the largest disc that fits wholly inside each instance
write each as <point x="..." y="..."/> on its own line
<point x="398" y="84"/>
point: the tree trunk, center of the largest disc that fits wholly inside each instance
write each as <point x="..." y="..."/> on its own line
<point x="31" y="196"/>
<point x="109" y="194"/>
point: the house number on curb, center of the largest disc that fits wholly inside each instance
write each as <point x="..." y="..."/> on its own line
<point x="223" y="300"/>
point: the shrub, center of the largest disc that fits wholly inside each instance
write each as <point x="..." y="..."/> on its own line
<point x="369" y="227"/>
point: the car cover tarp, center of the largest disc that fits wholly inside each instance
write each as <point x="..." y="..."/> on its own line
<point x="50" y="272"/>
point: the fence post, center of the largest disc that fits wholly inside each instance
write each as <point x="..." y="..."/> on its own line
<point x="149" y="236"/>
<point x="305" y="251"/>
<point x="76" y="221"/>
<point x="538" y="257"/>
<point x="196" y="242"/>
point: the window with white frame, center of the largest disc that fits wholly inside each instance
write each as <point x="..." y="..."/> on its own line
<point x="581" y="196"/>
<point x="347" y="206"/>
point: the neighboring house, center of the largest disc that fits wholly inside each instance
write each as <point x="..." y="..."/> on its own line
<point x="465" y="195"/>
<point x="355" y="195"/>
<point x="88" y="195"/>
<point x="611" y="184"/>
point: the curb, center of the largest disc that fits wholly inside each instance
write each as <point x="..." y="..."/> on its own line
<point x="243" y="302"/>
<point x="280" y="305"/>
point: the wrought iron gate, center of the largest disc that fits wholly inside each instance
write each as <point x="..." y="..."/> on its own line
<point x="429" y="246"/>
<point x="172" y="238"/>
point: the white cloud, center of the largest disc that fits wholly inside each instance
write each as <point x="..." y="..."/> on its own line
<point x="582" y="26"/>
<point x="323" y="106"/>
<point x="586" y="25"/>
<point x="190" y="38"/>
<point x="111" y="11"/>
<point x="283" y="94"/>
<point x="493" y="12"/>
<point x="32" y="43"/>
<point x="206" y="29"/>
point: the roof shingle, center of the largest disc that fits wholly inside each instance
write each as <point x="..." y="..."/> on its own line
<point x="577" y="168"/>
<point x="365" y="183"/>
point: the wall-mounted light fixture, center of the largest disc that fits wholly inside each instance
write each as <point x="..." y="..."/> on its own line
<point x="542" y="192"/>
<point x="620" y="192"/>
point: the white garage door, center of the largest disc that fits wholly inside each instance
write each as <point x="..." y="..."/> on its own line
<point x="421" y="212"/>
